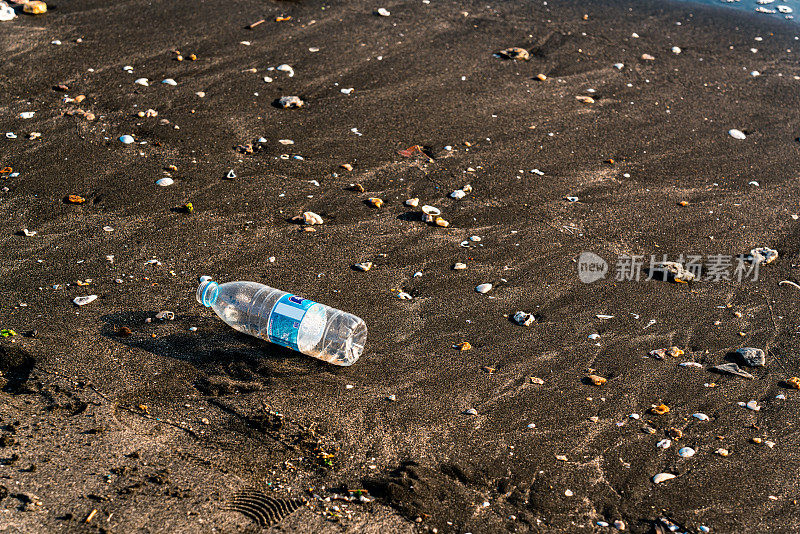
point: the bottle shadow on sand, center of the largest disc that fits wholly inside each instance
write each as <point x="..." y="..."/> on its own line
<point x="226" y="359"/>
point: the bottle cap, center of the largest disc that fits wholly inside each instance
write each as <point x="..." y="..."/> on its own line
<point x="207" y="293"/>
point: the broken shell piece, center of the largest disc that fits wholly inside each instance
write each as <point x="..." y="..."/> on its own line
<point x="286" y="68"/>
<point x="536" y="380"/>
<point x="309" y="218"/>
<point x="751" y="356"/>
<point x="753" y="405"/>
<point x="165" y="316"/>
<point x="737" y="134"/>
<point x="524" y="319"/>
<point x="733" y="369"/>
<point x="75" y="199"/>
<point x="404" y="296"/>
<point x="700" y="416"/>
<point x="514" y="52"/>
<point x="763" y="255"/>
<point x="82" y="301"/>
<point x="483" y="288"/>
<point x="647" y="57"/>
<point x="383" y="12"/>
<point x="375" y="202"/>
<point x="597" y="380"/>
<point x="464" y="345"/>
<point x="363" y="266"/>
<point x="672" y="270"/>
<point x="142" y="81"/>
<point x="290" y="102"/>
<point x="541" y="77"/>
<point x="722" y="452"/>
<point x="29" y="233"/>
<point x="661" y="353"/>
<point x="438" y="221"/>
<point x="164" y="182"/>
<point x="659" y="409"/>
<point x="430" y="210"/>
<point x="585" y="99"/>
<point x="458" y="194"/>
<point x="459" y="266"/>
<point x="412" y="202"/>
<point x="663" y="477"/>
<point x="664" y="444"/>
<point x="346" y="166"/>
<point x="471" y="411"/>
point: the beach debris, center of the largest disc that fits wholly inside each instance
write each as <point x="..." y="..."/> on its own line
<point x="27" y="114"/>
<point x="261" y="508"/>
<point x="126" y="139"/>
<point x="75" y="199"/>
<point x="524" y="319"/>
<point x="762" y="255"/>
<point x="752" y="356"/>
<point x="700" y="416"/>
<point x="165" y="315"/>
<point x="124" y="331"/>
<point x="686" y="452"/>
<point x="673" y="271"/>
<point x="676" y="50"/>
<point x="290" y="102"/>
<point x="169" y="81"/>
<point x="283" y="18"/>
<point x="663" y="477"/>
<point x="753" y="405"/>
<point x="7" y="332"/>
<point x="585" y="99"/>
<point x="439" y="221"/>
<point x="256" y="23"/>
<point x="34" y="7"/>
<point x="737" y="134"/>
<point x="571" y="199"/>
<point x="82" y="301"/>
<point x="404" y="296"/>
<point x="674" y="433"/>
<point x="514" y="52"/>
<point x="464" y="345"/>
<point x="733" y="369"/>
<point x="483" y="288"/>
<point x="660" y="354"/>
<point x="363" y="266"/>
<point x="347" y="167"/>
<point x="142" y="81"/>
<point x="416" y="150"/>
<point x="722" y="452"/>
<point x="383" y="12"/>
<point x="430" y="210"/>
<point x="458" y="266"/>
<point x="793" y="382"/>
<point x="164" y="182"/>
<point x="458" y="194"/>
<point x="561" y="457"/>
<point x="647" y="57"/>
<point x="29" y="233"/>
<point x="596" y="380"/>
<point x="619" y="66"/>
<point x="471" y="411"/>
<point x="6" y="12"/>
<point x="664" y="443"/>
<point x="287" y="69"/>
<point x="541" y="77"/>
<point x="375" y="202"/>
<point x="536" y="380"/>
<point x="412" y="202"/>
<point x="659" y="409"/>
<point x="230" y="175"/>
<point x="308" y="217"/>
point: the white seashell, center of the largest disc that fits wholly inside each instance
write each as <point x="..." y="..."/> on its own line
<point x="383" y="12"/>
<point x="404" y="296"/>
<point x="737" y="134"/>
<point x="635" y="416"/>
<point x="287" y="69"/>
<point x="285" y="141"/>
<point x="467" y="188"/>
<point x="784" y="9"/>
<point x="412" y="202"/>
<point x="169" y="81"/>
<point x="459" y="266"/>
<point x="458" y="194"/>
<point x="483" y="288"/>
<point x="524" y="319"/>
<point x="601" y="316"/>
<point x="164" y="182"/>
<point x="753" y="405"/>
<point x="755" y="73"/>
<point x="165" y="316"/>
<point x="686" y="452"/>
<point x="700" y="416"/>
<point x="676" y="50"/>
<point x="267" y="79"/>
<point x="430" y="210"/>
<point x="664" y="444"/>
<point x="81" y="301"/>
<point x="27" y="114"/>
<point x="29" y="233"/>
<point x="6" y="12"/>
<point x="471" y="411"/>
<point x="663" y="477"/>
<point x="475" y="238"/>
<point x="763" y="255"/>
<point x="11" y="135"/>
<point x="619" y="66"/>
<point x="142" y="81"/>
<point x="346" y="91"/>
<point x="363" y="266"/>
<point x="594" y="336"/>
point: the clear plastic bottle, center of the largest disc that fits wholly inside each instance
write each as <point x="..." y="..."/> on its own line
<point x="300" y="324"/>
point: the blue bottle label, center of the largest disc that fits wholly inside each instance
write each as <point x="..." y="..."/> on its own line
<point x="285" y="319"/>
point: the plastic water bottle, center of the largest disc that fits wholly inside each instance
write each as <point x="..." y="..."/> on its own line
<point x="300" y="324"/>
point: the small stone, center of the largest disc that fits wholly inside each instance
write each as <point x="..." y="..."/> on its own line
<point x="561" y="457"/>
<point x="733" y="369"/>
<point x="363" y="266"/>
<point x="585" y="99"/>
<point x="164" y="182"/>
<point x="663" y="477"/>
<point x="383" y="12"/>
<point x="438" y="221"/>
<point x="700" y="416"/>
<point x="75" y="199"/>
<point x="619" y="525"/>
<point x="597" y="380"/>
<point x="674" y="271"/>
<point x="290" y="102"/>
<point x="464" y="345"/>
<point x="514" y="52"/>
<point x="82" y="301"/>
<point x="647" y="57"/>
<point x="375" y="202"/>
<point x="412" y="202"/>
<point x="541" y="77"/>
<point x="404" y="296"/>
<point x="124" y="331"/>
<point x="686" y="452"/>
<point x="205" y="421"/>
<point x="722" y="452"/>
<point x="676" y="50"/>
<point x="483" y="288"/>
<point x="459" y="266"/>
<point x="660" y="354"/>
<point x="752" y="356"/>
<point x="737" y="134"/>
<point x="346" y="166"/>
<point x="757" y="441"/>
<point x="458" y="194"/>
<point x="660" y="409"/>
<point x="753" y="405"/>
<point x="763" y="255"/>
<point x="308" y="217"/>
<point x="126" y="139"/>
<point x="524" y="319"/>
<point x="34" y="7"/>
<point x="536" y="380"/>
<point x="391" y="398"/>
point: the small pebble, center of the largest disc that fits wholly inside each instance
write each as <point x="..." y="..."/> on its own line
<point x="126" y="139"/>
<point x="737" y="134"/>
<point x="164" y="182"/>
<point x="686" y="452"/>
<point x="383" y="12"/>
<point x="483" y="288"/>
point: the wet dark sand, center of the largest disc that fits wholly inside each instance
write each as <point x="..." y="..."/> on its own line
<point x="93" y="421"/>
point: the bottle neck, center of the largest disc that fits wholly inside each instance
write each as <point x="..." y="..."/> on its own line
<point x="207" y="293"/>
